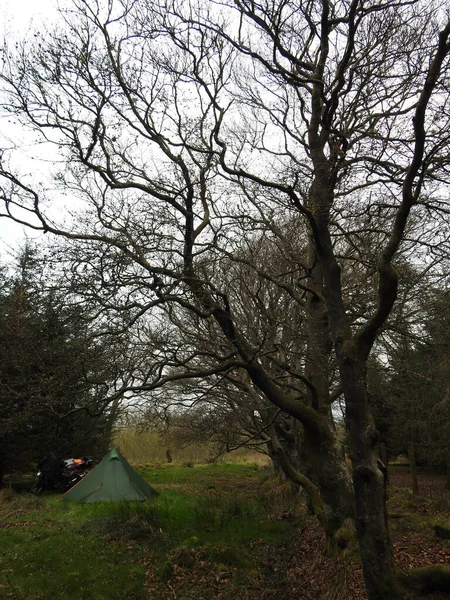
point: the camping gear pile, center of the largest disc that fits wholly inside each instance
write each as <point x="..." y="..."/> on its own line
<point x="56" y="474"/>
<point x="112" y="480"/>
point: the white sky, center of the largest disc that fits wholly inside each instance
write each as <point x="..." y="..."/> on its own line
<point x="17" y="17"/>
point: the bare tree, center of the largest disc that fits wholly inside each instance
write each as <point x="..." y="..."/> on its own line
<point x="185" y="128"/>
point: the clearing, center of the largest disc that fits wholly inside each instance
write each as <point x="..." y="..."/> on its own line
<point x="219" y="531"/>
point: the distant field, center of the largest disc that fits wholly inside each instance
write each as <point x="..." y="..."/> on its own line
<point x="151" y="448"/>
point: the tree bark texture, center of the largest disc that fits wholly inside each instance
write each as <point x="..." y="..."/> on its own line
<point x="332" y="477"/>
<point x="324" y="453"/>
<point x="369" y="485"/>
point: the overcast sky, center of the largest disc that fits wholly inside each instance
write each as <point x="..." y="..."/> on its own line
<point x="17" y="18"/>
<point x="19" y="15"/>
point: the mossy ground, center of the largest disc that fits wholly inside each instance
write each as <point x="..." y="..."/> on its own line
<point x="202" y="527"/>
<point x="215" y="531"/>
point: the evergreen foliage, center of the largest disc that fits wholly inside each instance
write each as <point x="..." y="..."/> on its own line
<point x="52" y="373"/>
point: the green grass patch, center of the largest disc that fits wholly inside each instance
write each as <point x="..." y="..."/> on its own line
<point x="57" y="559"/>
<point x="200" y="476"/>
<point x="206" y="517"/>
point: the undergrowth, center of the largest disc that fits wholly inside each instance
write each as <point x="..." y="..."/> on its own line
<point x="205" y="518"/>
<point x="213" y="531"/>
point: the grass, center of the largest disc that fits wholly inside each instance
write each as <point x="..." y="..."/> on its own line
<point x="216" y="504"/>
<point x="64" y="563"/>
<point x="223" y="531"/>
<point x="200" y="476"/>
<point x="47" y="552"/>
<point x="150" y="447"/>
<point x="206" y="517"/>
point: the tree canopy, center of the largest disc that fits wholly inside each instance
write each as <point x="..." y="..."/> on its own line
<point x="184" y="128"/>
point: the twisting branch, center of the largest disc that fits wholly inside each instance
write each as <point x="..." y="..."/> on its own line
<point x="387" y="290"/>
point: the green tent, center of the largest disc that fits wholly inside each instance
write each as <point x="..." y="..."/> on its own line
<point x="112" y="480"/>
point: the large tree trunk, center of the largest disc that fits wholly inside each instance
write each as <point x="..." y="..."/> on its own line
<point x="324" y="477"/>
<point x="447" y="483"/>
<point x="332" y="477"/>
<point x="368" y="471"/>
<point x="274" y="457"/>
<point x="324" y="453"/>
<point x="385" y="461"/>
<point x="369" y="485"/>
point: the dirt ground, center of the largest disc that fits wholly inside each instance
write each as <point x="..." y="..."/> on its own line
<point x="306" y="574"/>
<point x="296" y="568"/>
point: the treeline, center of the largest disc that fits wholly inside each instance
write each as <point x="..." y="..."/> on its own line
<point x="410" y="383"/>
<point x="54" y="373"/>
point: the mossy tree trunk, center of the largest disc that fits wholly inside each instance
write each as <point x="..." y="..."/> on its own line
<point x="323" y="449"/>
<point x="369" y="485"/>
<point x="333" y="479"/>
<point x="327" y="484"/>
